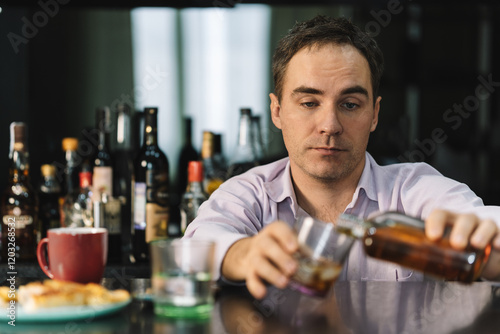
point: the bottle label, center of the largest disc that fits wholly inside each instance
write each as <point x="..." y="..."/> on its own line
<point x="19" y="222"/>
<point x="102" y="179"/>
<point x="140" y="206"/>
<point x="157" y="221"/>
<point x="112" y="216"/>
<point x="157" y="187"/>
<point x="157" y="207"/>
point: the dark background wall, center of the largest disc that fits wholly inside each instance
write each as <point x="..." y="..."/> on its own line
<point x="436" y="106"/>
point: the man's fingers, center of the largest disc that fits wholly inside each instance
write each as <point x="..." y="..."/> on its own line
<point x="496" y="242"/>
<point x="267" y="272"/>
<point x="255" y="286"/>
<point x="462" y="229"/>
<point x="284" y="235"/>
<point x="483" y="234"/>
<point x="272" y="250"/>
<point x="465" y="229"/>
<point x="270" y="258"/>
<point x="436" y="222"/>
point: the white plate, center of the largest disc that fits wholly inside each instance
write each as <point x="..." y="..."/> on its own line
<point x="66" y="313"/>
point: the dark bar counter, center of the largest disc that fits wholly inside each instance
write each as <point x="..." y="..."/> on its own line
<point x="33" y="271"/>
<point x="351" y="307"/>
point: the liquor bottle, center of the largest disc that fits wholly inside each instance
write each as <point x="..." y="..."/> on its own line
<point x="187" y="154"/>
<point x="19" y="206"/>
<point x="150" y="190"/>
<point x="218" y="157"/>
<point x="78" y="205"/>
<point x="194" y="194"/>
<point x="123" y="169"/>
<point x="102" y="173"/>
<point x="49" y="192"/>
<point x="70" y="179"/>
<point x="395" y="237"/>
<point x="213" y="175"/>
<point x="102" y="184"/>
<point x="244" y="155"/>
<point x="257" y="143"/>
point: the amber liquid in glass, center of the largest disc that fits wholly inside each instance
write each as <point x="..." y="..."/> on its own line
<point x="314" y="276"/>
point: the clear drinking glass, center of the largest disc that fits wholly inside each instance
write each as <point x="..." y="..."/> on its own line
<point x="321" y="256"/>
<point x="182" y="277"/>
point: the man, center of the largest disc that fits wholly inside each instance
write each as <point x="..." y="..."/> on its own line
<point x="326" y="73"/>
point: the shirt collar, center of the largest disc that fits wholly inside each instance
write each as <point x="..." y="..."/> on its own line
<point x="367" y="181"/>
<point x="280" y="188"/>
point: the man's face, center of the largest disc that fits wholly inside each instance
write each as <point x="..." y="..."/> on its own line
<point x="326" y="112"/>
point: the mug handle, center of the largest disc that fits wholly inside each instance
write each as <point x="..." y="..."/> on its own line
<point x="41" y="252"/>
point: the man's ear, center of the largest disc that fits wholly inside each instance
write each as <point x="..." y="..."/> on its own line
<point x="376" y="110"/>
<point x="275" y="110"/>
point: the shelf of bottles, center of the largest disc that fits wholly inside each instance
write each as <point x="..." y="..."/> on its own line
<point x="125" y="190"/>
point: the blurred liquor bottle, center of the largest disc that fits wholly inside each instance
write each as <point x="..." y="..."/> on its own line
<point x="188" y="153"/>
<point x="49" y="192"/>
<point x="123" y="170"/>
<point x="194" y="194"/>
<point x="70" y="179"/>
<point x="150" y="190"/>
<point x="244" y="157"/>
<point x="214" y="173"/>
<point x="102" y="186"/>
<point x="78" y="205"/>
<point x="69" y="170"/>
<point x="258" y="144"/>
<point x="19" y="205"/>
<point x="102" y="173"/>
<point x="219" y="159"/>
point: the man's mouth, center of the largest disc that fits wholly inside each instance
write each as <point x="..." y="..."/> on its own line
<point x="329" y="150"/>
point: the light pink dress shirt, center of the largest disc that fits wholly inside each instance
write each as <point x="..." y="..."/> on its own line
<point x="245" y="204"/>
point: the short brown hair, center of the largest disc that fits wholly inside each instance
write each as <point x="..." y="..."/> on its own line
<point x="323" y="30"/>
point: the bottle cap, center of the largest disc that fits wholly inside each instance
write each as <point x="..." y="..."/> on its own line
<point x="123" y="108"/>
<point x="103" y="119"/>
<point x="18" y="137"/>
<point x="70" y="144"/>
<point x="246" y="111"/>
<point x="207" y="146"/>
<point x="195" y="171"/>
<point x="48" y="169"/>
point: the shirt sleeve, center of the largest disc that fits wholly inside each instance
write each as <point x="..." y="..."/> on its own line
<point x="231" y="213"/>
<point x="425" y="189"/>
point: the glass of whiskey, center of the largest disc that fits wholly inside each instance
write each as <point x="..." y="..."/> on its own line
<point x="321" y="255"/>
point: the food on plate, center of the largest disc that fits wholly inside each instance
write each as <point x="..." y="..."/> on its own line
<point x="54" y="293"/>
<point x="6" y="296"/>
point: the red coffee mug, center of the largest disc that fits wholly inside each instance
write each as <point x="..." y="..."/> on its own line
<point x="75" y="254"/>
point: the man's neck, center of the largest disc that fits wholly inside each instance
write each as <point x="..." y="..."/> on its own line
<point x="325" y="200"/>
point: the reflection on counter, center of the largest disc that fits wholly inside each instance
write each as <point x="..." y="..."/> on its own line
<point x="367" y="307"/>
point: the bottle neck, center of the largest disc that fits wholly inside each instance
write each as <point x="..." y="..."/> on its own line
<point x="195" y="187"/>
<point x="123" y="133"/>
<point x="352" y="225"/>
<point x="245" y="131"/>
<point x="19" y="168"/>
<point x="71" y="158"/>
<point x="207" y="147"/>
<point x="103" y="141"/>
<point x="188" y="132"/>
<point x="151" y="131"/>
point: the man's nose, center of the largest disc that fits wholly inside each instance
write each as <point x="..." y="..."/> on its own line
<point x="329" y="122"/>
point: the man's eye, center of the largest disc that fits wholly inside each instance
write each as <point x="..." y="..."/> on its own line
<point x="350" y="105"/>
<point x="309" y="104"/>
